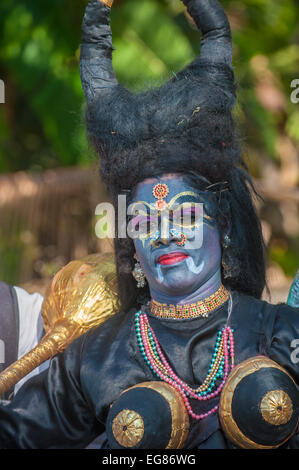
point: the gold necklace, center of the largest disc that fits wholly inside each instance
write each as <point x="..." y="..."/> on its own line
<point x="202" y="308"/>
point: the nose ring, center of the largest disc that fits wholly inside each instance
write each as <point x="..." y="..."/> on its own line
<point x="180" y="235"/>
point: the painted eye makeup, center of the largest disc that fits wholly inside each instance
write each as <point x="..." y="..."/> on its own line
<point x="144" y="224"/>
<point x="187" y="215"/>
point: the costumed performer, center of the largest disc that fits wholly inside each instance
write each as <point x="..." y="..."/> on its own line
<point x="195" y="359"/>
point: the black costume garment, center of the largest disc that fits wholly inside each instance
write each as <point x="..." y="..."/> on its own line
<point x="67" y="406"/>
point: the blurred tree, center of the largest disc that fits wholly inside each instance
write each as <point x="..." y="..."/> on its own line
<point x="41" y="123"/>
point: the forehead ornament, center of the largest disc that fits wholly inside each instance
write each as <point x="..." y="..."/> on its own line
<point x="160" y="191"/>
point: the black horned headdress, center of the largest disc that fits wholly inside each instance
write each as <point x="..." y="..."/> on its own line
<point x="136" y="133"/>
<point x="184" y="126"/>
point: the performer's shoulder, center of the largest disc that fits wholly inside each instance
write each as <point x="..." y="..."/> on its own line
<point x="118" y="324"/>
<point x="263" y="310"/>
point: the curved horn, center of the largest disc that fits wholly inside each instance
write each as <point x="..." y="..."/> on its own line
<point x="211" y="20"/>
<point x="96" y="68"/>
<point x="118" y="120"/>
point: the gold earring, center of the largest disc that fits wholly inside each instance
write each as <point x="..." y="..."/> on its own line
<point x="138" y="274"/>
<point x="227" y="273"/>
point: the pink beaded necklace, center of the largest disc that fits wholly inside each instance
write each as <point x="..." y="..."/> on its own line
<point x="221" y="364"/>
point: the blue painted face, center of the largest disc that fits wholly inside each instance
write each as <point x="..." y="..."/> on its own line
<point x="180" y="249"/>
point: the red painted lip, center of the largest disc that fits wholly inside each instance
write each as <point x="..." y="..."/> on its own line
<point x="172" y="258"/>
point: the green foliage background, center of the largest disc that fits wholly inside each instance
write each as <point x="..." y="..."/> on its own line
<point x="41" y="123"/>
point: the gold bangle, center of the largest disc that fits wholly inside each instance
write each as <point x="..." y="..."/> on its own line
<point x="109" y="3"/>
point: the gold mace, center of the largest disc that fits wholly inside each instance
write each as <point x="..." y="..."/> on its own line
<point x="81" y="296"/>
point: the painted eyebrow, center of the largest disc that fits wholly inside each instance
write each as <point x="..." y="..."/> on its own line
<point x="192" y="199"/>
<point x="149" y="209"/>
<point x="184" y="196"/>
<point x="187" y="196"/>
<point x="145" y="205"/>
<point x="143" y="213"/>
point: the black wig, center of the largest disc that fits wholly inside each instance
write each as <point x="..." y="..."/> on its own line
<point x="185" y="126"/>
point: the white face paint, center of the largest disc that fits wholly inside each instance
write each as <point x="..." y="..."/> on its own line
<point x="192" y="266"/>
<point x="160" y="276"/>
